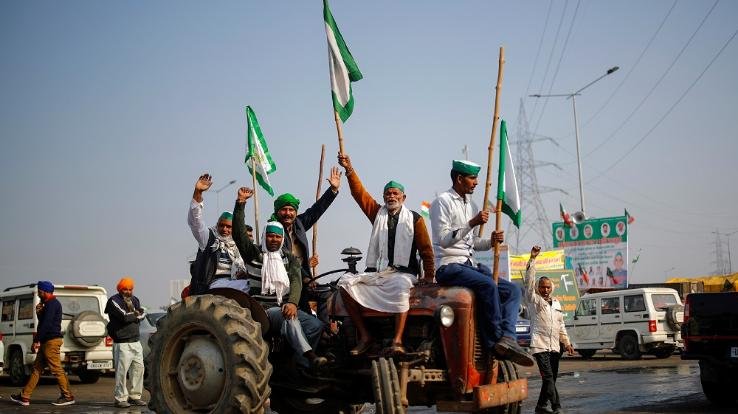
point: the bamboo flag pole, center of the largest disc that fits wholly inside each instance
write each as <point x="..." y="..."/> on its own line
<point x="256" y="200"/>
<point x="317" y="196"/>
<point x="498" y="227"/>
<point x="340" y="132"/>
<point x="490" y="149"/>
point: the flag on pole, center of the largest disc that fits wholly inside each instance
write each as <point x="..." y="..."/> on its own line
<point x="425" y="209"/>
<point x="342" y="66"/>
<point x="507" y="186"/>
<point x="565" y="217"/>
<point x="629" y="218"/>
<point x="256" y="149"/>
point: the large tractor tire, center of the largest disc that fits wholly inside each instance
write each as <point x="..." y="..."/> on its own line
<point x="509" y="372"/>
<point x="208" y="355"/>
<point x="386" y="386"/>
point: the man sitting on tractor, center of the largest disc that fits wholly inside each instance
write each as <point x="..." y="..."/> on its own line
<point x="398" y="235"/>
<point x="453" y="219"/>
<point x="280" y="284"/>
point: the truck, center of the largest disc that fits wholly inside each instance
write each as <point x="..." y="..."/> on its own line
<point x="710" y="335"/>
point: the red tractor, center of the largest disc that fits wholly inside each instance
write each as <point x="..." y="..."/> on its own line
<point x="209" y="355"/>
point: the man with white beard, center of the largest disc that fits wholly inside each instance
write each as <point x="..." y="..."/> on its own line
<point x="398" y="236"/>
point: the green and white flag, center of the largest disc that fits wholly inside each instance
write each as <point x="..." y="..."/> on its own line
<point x="507" y="186"/>
<point x="342" y="66"/>
<point x="257" y="152"/>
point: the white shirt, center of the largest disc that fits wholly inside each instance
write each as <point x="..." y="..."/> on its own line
<point x="194" y="219"/>
<point x="453" y="238"/>
<point x="546" y="319"/>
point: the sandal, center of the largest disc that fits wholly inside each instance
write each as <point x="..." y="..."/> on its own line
<point x="361" y="347"/>
<point x="397" y="348"/>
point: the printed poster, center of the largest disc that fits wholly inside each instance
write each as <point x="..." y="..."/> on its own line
<point x="597" y="250"/>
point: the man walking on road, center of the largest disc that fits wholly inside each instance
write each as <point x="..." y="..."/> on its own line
<point x="125" y="314"/>
<point x="48" y="344"/>
<point x="547" y="333"/>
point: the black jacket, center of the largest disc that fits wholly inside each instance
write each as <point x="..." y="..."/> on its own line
<point x="303" y="223"/>
<point x="123" y="325"/>
<point x="202" y="269"/>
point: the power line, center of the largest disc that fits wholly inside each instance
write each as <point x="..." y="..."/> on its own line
<point x="558" y="65"/>
<point x="550" y="56"/>
<point x="632" y="68"/>
<point x="658" y="82"/>
<point x="540" y="43"/>
<point x="670" y="109"/>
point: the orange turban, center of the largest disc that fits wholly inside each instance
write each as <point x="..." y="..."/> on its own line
<point x="125" y="283"/>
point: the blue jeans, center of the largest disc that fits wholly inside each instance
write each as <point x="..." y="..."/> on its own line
<point x="302" y="333"/>
<point x="498" y="303"/>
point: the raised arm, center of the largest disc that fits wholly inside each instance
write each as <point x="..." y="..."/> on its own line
<point x="366" y="202"/>
<point x="194" y="215"/>
<point x="529" y="279"/>
<point x="249" y="251"/>
<point x="312" y="215"/>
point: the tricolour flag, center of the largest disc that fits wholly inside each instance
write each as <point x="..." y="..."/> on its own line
<point x="568" y="222"/>
<point x="257" y="152"/>
<point x="629" y="218"/>
<point x="425" y="209"/>
<point x="342" y="66"/>
<point x="507" y="187"/>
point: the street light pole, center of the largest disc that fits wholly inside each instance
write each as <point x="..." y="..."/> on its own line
<point x="576" y="125"/>
<point x="217" y="193"/>
<point x="730" y="263"/>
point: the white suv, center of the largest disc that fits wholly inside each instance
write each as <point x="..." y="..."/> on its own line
<point x="87" y="351"/>
<point x="630" y="322"/>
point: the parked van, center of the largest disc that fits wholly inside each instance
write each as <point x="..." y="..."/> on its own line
<point x="631" y="322"/>
<point x="87" y="351"/>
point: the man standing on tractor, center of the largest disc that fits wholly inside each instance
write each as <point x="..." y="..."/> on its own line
<point x="398" y="236"/>
<point x="279" y="284"/>
<point x="453" y="220"/>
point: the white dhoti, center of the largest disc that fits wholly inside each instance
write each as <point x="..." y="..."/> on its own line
<point x="387" y="291"/>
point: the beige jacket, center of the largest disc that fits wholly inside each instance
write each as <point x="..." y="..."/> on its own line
<point x="547" y="320"/>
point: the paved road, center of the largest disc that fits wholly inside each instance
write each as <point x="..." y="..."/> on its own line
<point x="605" y="384"/>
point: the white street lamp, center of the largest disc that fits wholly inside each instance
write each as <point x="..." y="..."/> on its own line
<point x="576" y="128"/>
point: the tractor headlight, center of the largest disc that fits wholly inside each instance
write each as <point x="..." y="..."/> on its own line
<point x="446" y="315"/>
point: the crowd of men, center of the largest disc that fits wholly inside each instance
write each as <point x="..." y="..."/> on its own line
<point x="400" y="255"/>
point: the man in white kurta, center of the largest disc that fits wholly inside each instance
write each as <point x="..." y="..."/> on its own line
<point x="547" y="333"/>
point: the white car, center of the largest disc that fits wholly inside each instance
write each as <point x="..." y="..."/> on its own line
<point x="87" y="351"/>
<point x="631" y="322"/>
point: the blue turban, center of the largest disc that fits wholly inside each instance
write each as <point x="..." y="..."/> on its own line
<point x="46" y="286"/>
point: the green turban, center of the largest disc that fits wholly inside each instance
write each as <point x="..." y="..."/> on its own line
<point x="286" y="199"/>
<point x="465" y="167"/>
<point x="227" y="215"/>
<point x="394" y="184"/>
<point x="274" y="227"/>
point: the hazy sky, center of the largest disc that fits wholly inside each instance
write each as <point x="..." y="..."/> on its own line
<point x="111" y="110"/>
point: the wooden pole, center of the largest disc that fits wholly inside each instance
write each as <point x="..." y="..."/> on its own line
<point x="490" y="149"/>
<point x="317" y="196"/>
<point x="498" y="227"/>
<point x="340" y="132"/>
<point x="256" y="201"/>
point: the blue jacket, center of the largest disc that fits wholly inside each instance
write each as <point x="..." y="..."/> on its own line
<point x="49" y="321"/>
<point x="123" y="325"/>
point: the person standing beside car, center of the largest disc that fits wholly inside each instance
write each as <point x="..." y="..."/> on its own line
<point x="125" y="314"/>
<point x="547" y="333"/>
<point x="48" y="344"/>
